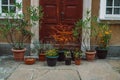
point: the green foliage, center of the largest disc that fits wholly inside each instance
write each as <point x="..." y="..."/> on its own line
<point x="52" y="52"/>
<point x="41" y="47"/>
<point x="77" y="54"/>
<point x="15" y="27"/>
<point x="84" y="25"/>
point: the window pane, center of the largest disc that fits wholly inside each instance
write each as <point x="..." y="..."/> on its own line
<point x="12" y="9"/>
<point x="117" y="2"/>
<point x="109" y="2"/>
<point x="116" y="10"/>
<point x="109" y="11"/>
<point x="4" y="1"/>
<point x="4" y="9"/>
<point x="12" y="2"/>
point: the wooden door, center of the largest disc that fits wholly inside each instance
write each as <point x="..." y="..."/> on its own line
<point x="63" y="12"/>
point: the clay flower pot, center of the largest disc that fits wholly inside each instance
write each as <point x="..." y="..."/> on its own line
<point x="29" y="60"/>
<point x="77" y="61"/>
<point x="42" y="57"/>
<point x="19" y="54"/>
<point x="90" y="55"/>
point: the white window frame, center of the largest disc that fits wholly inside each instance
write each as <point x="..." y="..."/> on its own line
<point x="103" y="15"/>
<point x="18" y="11"/>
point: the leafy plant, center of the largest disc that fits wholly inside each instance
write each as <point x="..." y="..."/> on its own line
<point x="84" y="25"/>
<point x="51" y="52"/>
<point x="15" y="27"/>
<point x="104" y="35"/>
<point x="77" y="54"/>
<point x="41" y="47"/>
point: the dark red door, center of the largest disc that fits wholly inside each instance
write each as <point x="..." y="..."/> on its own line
<point x="65" y="12"/>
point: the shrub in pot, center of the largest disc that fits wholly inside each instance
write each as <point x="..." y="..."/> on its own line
<point x="103" y="39"/>
<point x="67" y="58"/>
<point x="77" y="55"/>
<point x="41" y="49"/>
<point x="51" y="56"/>
<point x="15" y="28"/>
<point x="84" y="25"/>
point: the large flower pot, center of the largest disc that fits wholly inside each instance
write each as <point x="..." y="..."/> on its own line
<point x="19" y="54"/>
<point x="51" y="61"/>
<point x="101" y="53"/>
<point x="90" y="55"/>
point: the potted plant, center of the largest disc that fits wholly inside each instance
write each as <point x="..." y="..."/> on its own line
<point x="51" y="56"/>
<point x="67" y="58"/>
<point x="83" y="25"/>
<point x="103" y="39"/>
<point x="40" y="49"/>
<point x="77" y="55"/>
<point x="15" y="28"/>
<point x="62" y="37"/>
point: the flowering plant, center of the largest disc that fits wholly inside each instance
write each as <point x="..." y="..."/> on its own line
<point x="104" y="36"/>
<point x="62" y="35"/>
<point x="51" y="52"/>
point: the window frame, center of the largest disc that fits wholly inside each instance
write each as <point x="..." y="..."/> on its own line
<point x="103" y="15"/>
<point x="18" y="11"/>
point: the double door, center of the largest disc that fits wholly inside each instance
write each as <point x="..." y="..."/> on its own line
<point x="59" y="12"/>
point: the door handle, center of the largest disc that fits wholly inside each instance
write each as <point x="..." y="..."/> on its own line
<point x="62" y="15"/>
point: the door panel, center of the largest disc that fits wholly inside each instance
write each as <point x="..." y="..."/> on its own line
<point x="56" y="12"/>
<point x="71" y="11"/>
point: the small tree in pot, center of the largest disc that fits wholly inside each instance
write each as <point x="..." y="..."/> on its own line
<point x="15" y="28"/>
<point x="84" y="24"/>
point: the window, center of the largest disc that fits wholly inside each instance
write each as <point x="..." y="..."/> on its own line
<point x="9" y="6"/>
<point x="110" y="9"/>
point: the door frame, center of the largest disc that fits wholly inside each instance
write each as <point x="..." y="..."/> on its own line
<point x="86" y="6"/>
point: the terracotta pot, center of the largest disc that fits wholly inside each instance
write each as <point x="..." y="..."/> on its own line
<point x="77" y="61"/>
<point x="90" y="56"/>
<point x="19" y="54"/>
<point x="42" y="57"/>
<point x="29" y="61"/>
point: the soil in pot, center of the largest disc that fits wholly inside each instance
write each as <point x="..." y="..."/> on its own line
<point x="19" y="54"/>
<point x="101" y="53"/>
<point x="90" y="55"/>
<point x="51" y="61"/>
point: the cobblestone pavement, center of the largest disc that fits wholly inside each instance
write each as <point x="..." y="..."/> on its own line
<point x="107" y="69"/>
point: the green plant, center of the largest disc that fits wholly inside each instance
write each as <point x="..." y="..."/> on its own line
<point x="41" y="47"/>
<point x="51" y="53"/>
<point x="77" y="54"/>
<point x="83" y="25"/>
<point x="104" y="36"/>
<point x="15" y="27"/>
<point x="67" y="54"/>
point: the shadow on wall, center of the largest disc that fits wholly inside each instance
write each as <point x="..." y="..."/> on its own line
<point x="5" y="49"/>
